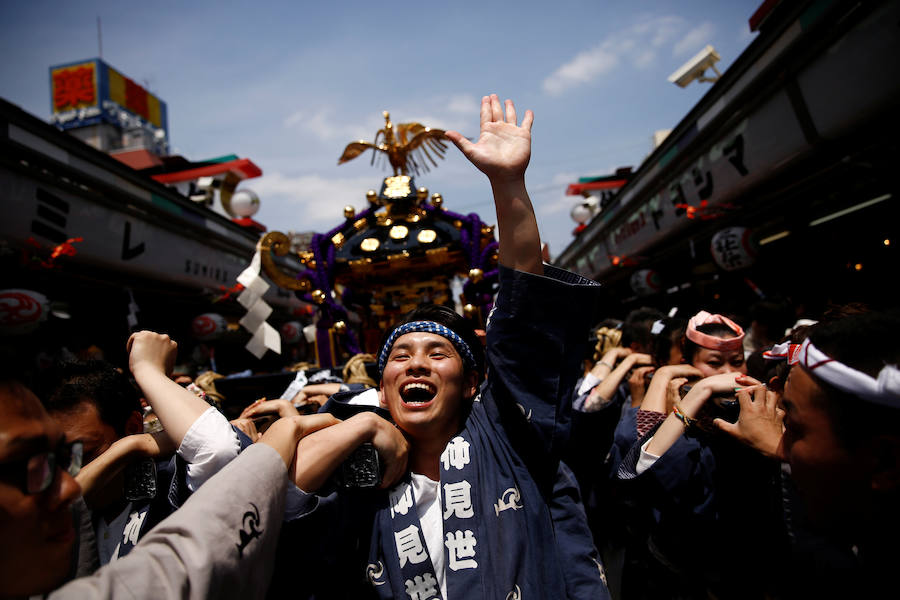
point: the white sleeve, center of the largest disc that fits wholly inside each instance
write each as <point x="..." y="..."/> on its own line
<point x="646" y="459"/>
<point x="220" y="544"/>
<point x="208" y="445"/>
<point x="587" y="384"/>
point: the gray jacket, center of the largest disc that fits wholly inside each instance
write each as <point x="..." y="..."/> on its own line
<point x="220" y="544"/>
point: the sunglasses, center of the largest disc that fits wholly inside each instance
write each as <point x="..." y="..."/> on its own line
<point x="37" y="473"/>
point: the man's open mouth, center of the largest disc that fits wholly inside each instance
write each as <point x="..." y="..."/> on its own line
<point x="418" y="392"/>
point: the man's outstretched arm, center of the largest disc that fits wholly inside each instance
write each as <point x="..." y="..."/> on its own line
<point x="502" y="153"/>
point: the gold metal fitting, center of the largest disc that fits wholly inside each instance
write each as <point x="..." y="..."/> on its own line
<point x="337" y="239"/>
<point x="349" y="212"/>
<point x="469" y="310"/>
<point x="372" y="197"/>
<point x="318" y="296"/>
<point x="399" y="256"/>
<point x="437" y="200"/>
<point x="421" y="193"/>
<point x="476" y="275"/>
<point x="340" y="328"/>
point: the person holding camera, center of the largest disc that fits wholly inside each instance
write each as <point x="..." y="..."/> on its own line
<point x="712" y="501"/>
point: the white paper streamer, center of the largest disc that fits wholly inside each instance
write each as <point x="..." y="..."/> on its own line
<point x="132" y="312"/>
<point x="265" y="337"/>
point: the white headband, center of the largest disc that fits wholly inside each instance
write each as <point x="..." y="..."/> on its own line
<point x="884" y="390"/>
<point x="786" y="351"/>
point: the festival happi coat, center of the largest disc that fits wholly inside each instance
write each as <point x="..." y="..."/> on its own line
<point x="513" y="526"/>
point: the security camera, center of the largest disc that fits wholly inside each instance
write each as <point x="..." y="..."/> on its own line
<point x="696" y="68"/>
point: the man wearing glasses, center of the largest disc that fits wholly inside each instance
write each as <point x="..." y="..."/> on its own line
<point x="37" y="490"/>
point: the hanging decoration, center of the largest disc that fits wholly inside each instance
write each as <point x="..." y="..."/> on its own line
<point x="291" y="332"/>
<point x="228" y="292"/>
<point x="646" y="282"/>
<point x="133" y="309"/>
<point x="264" y="335"/>
<point x="64" y="249"/>
<point x="733" y="249"/>
<point x="208" y="327"/>
<point x="22" y="311"/>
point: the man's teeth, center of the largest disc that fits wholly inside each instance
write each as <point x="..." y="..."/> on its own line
<point x="417" y="386"/>
<point x="417" y="393"/>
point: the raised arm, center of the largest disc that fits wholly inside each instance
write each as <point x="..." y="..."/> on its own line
<point x="202" y="435"/>
<point x="502" y="153"/>
<point x="151" y="357"/>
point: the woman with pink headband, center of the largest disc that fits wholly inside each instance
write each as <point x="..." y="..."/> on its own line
<point x="703" y="489"/>
<point x="714" y="344"/>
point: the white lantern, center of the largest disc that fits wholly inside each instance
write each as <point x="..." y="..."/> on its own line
<point x="585" y="210"/>
<point x="581" y="213"/>
<point x="733" y="249"/>
<point x="244" y="203"/>
<point x="22" y="311"/>
<point x="208" y="327"/>
<point x="291" y="332"/>
<point x="645" y="282"/>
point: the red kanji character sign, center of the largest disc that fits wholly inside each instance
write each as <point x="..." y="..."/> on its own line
<point x="74" y="87"/>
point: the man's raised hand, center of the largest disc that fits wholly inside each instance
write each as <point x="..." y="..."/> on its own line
<point x="504" y="147"/>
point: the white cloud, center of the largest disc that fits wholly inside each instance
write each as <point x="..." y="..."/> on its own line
<point x="307" y="202"/>
<point x="635" y="45"/>
<point x="644" y="59"/>
<point x="695" y="39"/>
<point x="464" y="104"/>
<point x="585" y="67"/>
<point x="556" y="204"/>
<point x="325" y="125"/>
<point x="457" y="111"/>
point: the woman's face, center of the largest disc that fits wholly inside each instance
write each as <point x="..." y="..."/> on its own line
<point x="714" y="362"/>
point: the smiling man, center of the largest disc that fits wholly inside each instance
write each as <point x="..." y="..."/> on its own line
<point x="479" y="505"/>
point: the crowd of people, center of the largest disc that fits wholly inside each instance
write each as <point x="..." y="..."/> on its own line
<point x="685" y="458"/>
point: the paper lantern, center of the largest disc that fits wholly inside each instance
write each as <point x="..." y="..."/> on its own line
<point x="645" y="282"/>
<point x="22" y="311"/>
<point x="291" y="332"/>
<point x="208" y="327"/>
<point x="733" y="249"/>
<point x="245" y="203"/>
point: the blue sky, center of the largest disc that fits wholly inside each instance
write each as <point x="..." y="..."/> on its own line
<point x="289" y="84"/>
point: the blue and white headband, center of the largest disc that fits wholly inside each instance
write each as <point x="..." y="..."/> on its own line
<point x="428" y="327"/>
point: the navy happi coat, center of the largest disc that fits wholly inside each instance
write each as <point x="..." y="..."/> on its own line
<point x="513" y="523"/>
